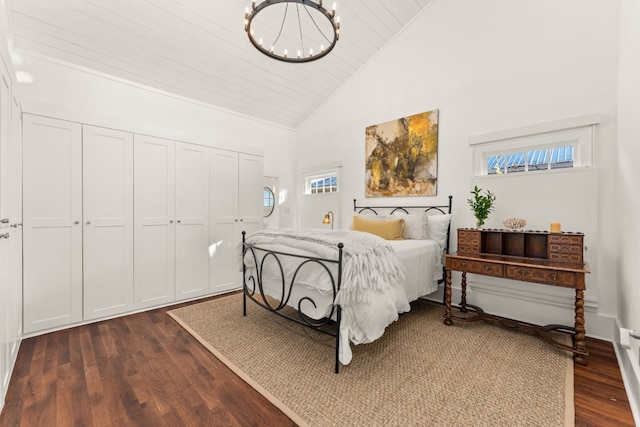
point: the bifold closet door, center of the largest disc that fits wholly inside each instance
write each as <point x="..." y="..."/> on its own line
<point x="15" y="248"/>
<point x="154" y="221"/>
<point x="250" y="192"/>
<point x="52" y="197"/>
<point x="236" y="206"/>
<point x="7" y="235"/>
<point x="192" y="224"/>
<point x="225" y="234"/>
<point x="108" y="221"/>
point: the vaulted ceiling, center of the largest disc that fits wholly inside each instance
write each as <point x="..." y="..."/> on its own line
<point x="199" y="49"/>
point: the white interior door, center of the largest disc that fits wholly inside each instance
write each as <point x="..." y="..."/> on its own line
<point x="5" y="279"/>
<point x="192" y="225"/>
<point x="15" y="212"/>
<point x="224" y="217"/>
<point x="52" y="214"/>
<point x="154" y="221"/>
<point x="6" y="236"/>
<point x="5" y="145"/>
<point x="108" y="221"/>
<point x="250" y="192"/>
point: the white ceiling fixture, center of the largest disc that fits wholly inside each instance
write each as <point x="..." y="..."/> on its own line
<point x="198" y="49"/>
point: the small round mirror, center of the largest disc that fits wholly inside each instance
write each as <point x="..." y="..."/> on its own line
<point x="269" y="201"/>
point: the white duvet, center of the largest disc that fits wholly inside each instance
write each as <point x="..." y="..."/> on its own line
<point x="374" y="290"/>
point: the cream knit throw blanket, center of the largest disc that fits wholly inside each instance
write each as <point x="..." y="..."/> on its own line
<point x="369" y="262"/>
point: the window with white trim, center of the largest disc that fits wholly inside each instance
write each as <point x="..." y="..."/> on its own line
<point x="519" y="152"/>
<point x="325" y="182"/>
<point x="531" y="160"/>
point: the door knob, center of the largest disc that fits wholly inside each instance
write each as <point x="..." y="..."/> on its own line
<point x="4" y="236"/>
<point x="76" y="222"/>
<point x="88" y="222"/>
<point x="4" y="221"/>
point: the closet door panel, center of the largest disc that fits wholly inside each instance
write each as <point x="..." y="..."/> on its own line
<point x="225" y="233"/>
<point x="108" y="221"/>
<point x="250" y="197"/>
<point x="15" y="295"/>
<point x="52" y="194"/>
<point x="154" y="217"/>
<point x="192" y="226"/>
<point x="7" y="237"/>
<point x="5" y="146"/>
<point x="5" y="279"/>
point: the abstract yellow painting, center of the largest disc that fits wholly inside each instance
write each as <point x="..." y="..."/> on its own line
<point x="402" y="157"/>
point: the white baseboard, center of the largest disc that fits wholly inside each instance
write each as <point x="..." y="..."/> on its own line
<point x="629" y="362"/>
<point x="13" y="357"/>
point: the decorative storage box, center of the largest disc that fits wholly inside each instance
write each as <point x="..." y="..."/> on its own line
<point x="560" y="247"/>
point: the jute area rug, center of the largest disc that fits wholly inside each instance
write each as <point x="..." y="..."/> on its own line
<point x="420" y="373"/>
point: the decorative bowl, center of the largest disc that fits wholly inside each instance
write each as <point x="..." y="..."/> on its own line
<point x="514" y="223"/>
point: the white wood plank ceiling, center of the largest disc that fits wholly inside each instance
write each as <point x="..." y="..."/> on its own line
<point x="199" y="49"/>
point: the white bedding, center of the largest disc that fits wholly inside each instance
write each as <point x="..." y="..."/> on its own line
<point x="366" y="320"/>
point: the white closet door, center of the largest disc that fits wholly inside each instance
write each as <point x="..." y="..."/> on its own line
<point x="15" y="248"/>
<point x="224" y="217"/>
<point x="250" y="192"/>
<point x="192" y="225"/>
<point x="5" y="145"/>
<point x="154" y="221"/>
<point x="108" y="221"/>
<point x="7" y="237"/>
<point x="52" y="215"/>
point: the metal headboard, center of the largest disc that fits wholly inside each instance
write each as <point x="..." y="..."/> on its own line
<point x="443" y="209"/>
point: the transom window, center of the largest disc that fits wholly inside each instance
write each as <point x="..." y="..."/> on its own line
<point x="548" y="146"/>
<point x="325" y="183"/>
<point x="532" y="160"/>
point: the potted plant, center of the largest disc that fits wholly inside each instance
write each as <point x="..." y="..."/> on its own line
<point x="481" y="204"/>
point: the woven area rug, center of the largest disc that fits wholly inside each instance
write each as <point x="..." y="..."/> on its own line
<point x="420" y="373"/>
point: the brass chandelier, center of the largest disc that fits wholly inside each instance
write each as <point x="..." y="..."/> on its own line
<point x="306" y="32"/>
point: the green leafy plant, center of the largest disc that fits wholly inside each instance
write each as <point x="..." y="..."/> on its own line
<point x="481" y="204"/>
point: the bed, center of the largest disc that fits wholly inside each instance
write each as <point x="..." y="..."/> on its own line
<point x="350" y="284"/>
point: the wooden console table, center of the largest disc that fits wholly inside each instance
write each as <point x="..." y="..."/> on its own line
<point x="547" y="258"/>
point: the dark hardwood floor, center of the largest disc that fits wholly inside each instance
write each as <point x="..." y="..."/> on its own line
<point x="145" y="370"/>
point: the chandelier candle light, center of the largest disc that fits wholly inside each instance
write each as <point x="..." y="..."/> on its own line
<point x="306" y="28"/>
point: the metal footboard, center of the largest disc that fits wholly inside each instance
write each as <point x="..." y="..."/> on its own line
<point x="253" y="287"/>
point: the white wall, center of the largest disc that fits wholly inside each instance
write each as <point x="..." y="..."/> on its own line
<point x="628" y="194"/>
<point x="487" y="66"/>
<point x="62" y="91"/>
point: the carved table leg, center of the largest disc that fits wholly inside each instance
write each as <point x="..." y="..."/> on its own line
<point x="463" y="299"/>
<point x="447" y="292"/>
<point x="579" y="338"/>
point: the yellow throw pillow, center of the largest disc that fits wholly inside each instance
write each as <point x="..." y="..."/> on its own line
<point x="390" y="229"/>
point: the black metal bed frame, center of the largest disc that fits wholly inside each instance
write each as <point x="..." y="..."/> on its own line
<point x="253" y="285"/>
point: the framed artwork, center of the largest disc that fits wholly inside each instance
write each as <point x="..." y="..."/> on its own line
<point x="401" y="158"/>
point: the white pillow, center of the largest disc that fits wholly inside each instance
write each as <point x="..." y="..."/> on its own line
<point x="415" y="225"/>
<point x="437" y="227"/>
